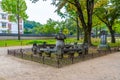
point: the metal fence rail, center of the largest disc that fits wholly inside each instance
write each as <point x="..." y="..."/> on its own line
<point x="55" y="61"/>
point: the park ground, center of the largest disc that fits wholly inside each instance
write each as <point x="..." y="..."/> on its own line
<point x="101" y="68"/>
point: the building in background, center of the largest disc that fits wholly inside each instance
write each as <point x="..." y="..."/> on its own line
<point x="9" y="27"/>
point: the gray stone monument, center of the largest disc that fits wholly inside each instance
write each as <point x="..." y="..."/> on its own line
<point x="60" y="42"/>
<point x="103" y="40"/>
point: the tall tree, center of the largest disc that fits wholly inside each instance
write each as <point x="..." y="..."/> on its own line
<point x="86" y="24"/>
<point x="16" y="9"/>
<point x="85" y="19"/>
<point x="108" y="12"/>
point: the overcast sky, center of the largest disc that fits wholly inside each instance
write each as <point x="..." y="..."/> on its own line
<point x="41" y="11"/>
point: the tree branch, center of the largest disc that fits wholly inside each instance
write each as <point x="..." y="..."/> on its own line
<point x="71" y="2"/>
<point x="102" y="20"/>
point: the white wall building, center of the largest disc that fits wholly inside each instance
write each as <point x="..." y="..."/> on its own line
<point x="9" y="27"/>
<point x="3" y="22"/>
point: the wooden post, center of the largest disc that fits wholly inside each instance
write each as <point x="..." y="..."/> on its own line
<point x="43" y="59"/>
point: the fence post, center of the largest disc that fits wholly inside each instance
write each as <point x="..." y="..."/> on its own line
<point x="21" y="52"/>
<point x="43" y="60"/>
<point x="58" y="62"/>
<point x="32" y="57"/>
<point x="72" y="57"/>
<point x="8" y="51"/>
<point x="83" y="56"/>
<point x="92" y="55"/>
<point x="14" y="53"/>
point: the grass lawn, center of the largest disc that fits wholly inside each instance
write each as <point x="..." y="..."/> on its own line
<point x="95" y="42"/>
<point x="23" y="42"/>
<point x="4" y="43"/>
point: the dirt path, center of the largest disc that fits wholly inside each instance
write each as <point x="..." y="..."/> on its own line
<point x="102" y="68"/>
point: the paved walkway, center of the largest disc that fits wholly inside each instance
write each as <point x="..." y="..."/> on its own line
<point x="101" y="68"/>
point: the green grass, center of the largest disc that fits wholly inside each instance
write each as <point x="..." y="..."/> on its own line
<point x="4" y="43"/>
<point x="95" y="42"/>
<point x="9" y="43"/>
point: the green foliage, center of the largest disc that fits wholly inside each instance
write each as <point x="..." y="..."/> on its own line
<point x="53" y="27"/>
<point x="49" y="27"/>
<point x="12" y="8"/>
<point x="31" y="27"/>
<point x="16" y="10"/>
<point x="31" y="24"/>
<point x="71" y="26"/>
<point x="65" y="31"/>
<point x="108" y="12"/>
<point x="116" y="27"/>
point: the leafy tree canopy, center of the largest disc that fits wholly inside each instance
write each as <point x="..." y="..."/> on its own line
<point x="12" y="8"/>
<point x="31" y="24"/>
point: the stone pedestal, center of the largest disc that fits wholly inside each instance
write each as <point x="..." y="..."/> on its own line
<point x="103" y="47"/>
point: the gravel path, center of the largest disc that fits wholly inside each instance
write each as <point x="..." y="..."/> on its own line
<point x="101" y="68"/>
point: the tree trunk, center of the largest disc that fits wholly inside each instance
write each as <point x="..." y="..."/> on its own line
<point x="96" y="32"/>
<point x="87" y="36"/>
<point x="18" y="29"/>
<point x="90" y="5"/>
<point x="81" y="17"/>
<point x="87" y="27"/>
<point x="112" y="32"/>
<point x="113" y="37"/>
<point x="78" y="31"/>
<point x="18" y="19"/>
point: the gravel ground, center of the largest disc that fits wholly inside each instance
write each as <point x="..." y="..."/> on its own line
<point x="101" y="68"/>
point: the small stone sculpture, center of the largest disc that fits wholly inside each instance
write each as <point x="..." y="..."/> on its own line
<point x="103" y="37"/>
<point x="60" y="40"/>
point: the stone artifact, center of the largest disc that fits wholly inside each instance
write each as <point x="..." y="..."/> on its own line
<point x="59" y="48"/>
<point x="103" y="41"/>
<point x="60" y="40"/>
<point x="103" y="37"/>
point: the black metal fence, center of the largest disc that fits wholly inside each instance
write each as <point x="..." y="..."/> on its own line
<point x="28" y="36"/>
<point x="31" y="35"/>
<point x="59" y="62"/>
